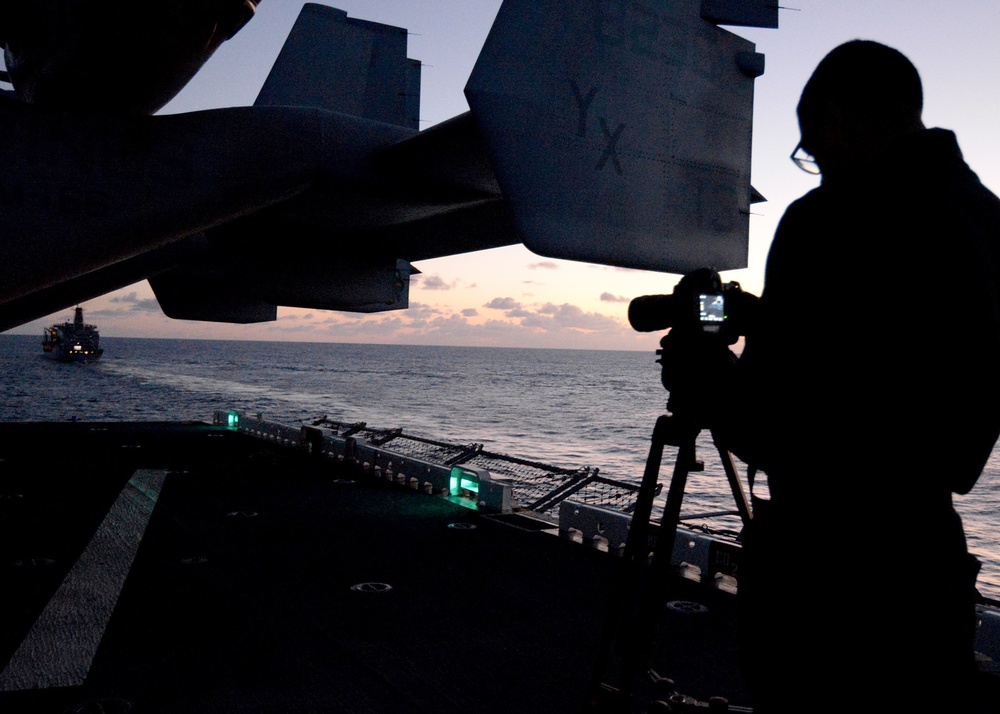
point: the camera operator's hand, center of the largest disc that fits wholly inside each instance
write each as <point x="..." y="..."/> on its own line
<point x="696" y="370"/>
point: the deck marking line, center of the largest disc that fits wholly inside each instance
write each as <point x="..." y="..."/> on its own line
<point x="60" y="647"/>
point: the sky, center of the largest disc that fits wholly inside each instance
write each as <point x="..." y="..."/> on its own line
<point x="512" y="297"/>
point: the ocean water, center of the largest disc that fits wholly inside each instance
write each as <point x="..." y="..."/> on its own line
<point x="561" y="407"/>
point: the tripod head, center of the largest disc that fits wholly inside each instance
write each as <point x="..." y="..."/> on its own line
<point x="695" y="373"/>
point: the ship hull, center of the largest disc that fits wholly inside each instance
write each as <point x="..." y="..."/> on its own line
<point x="70" y="354"/>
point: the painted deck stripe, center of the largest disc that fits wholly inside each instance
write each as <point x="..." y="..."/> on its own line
<point x="60" y="647"/>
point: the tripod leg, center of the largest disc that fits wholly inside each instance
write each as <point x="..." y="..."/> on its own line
<point x="638" y="642"/>
<point x="637" y="543"/>
<point x="643" y="590"/>
<point x="675" y="495"/>
<point x="631" y="565"/>
<point x="735" y="484"/>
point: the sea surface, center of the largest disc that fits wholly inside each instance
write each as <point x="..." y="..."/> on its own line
<point x="566" y="408"/>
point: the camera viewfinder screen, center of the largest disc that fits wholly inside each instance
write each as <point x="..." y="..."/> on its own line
<point x="711" y="308"/>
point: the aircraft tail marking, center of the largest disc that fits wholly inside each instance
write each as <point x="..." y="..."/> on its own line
<point x="620" y="130"/>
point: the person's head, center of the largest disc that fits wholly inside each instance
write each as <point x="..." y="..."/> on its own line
<point x="862" y="96"/>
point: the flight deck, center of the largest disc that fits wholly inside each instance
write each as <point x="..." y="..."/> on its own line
<point x="187" y="567"/>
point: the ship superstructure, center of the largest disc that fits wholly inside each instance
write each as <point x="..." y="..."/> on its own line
<point x="73" y="341"/>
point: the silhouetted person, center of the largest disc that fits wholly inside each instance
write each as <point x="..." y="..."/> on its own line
<point x="868" y="394"/>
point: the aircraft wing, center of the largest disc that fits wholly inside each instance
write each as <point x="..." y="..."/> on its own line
<point x="112" y="56"/>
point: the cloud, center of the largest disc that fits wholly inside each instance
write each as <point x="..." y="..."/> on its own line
<point x="566" y="317"/>
<point x="148" y="305"/>
<point x="364" y="327"/>
<point x="518" y="312"/>
<point x="435" y="282"/>
<point x="508" y="321"/>
<point x="137" y="304"/>
<point x="294" y="322"/>
<point x="544" y="265"/>
<point x="285" y="328"/>
<point x="419" y="313"/>
<point x="608" y="297"/>
<point x="506" y="303"/>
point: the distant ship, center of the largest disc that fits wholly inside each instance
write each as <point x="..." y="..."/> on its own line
<point x="73" y="341"/>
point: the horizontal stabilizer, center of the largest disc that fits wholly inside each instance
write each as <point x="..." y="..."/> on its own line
<point x="354" y="285"/>
<point x="196" y="293"/>
<point x="243" y="287"/>
<point x="355" y="67"/>
<point x="620" y="133"/>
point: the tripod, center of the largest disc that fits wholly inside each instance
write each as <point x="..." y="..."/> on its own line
<point x="641" y="590"/>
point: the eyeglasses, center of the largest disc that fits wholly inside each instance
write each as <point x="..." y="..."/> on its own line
<point x="804" y="160"/>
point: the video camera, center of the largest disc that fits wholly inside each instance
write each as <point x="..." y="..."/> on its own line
<point x="701" y="304"/>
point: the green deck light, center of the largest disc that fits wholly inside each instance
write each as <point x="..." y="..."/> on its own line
<point x="462" y="480"/>
<point x="233" y="420"/>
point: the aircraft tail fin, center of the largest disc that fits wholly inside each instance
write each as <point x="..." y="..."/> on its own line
<point x="620" y="132"/>
<point x="356" y="67"/>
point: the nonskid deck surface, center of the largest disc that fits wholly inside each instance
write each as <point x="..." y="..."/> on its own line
<point x="185" y="568"/>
